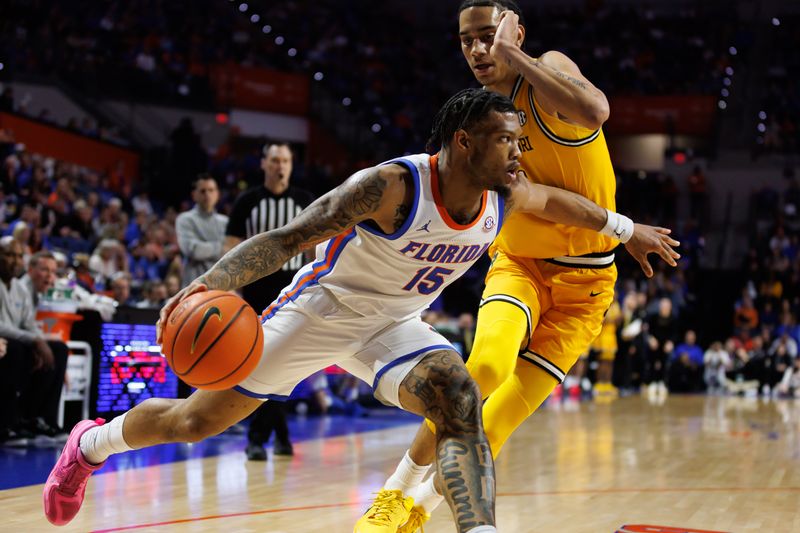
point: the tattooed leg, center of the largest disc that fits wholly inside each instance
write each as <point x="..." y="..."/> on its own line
<point x="440" y="389"/>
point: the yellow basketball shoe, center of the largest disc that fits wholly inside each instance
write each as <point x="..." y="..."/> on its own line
<point x="417" y="517"/>
<point x="388" y="512"/>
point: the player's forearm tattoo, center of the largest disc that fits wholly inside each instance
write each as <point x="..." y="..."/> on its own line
<point x="330" y="215"/>
<point x="464" y="462"/>
<point x="574" y="81"/>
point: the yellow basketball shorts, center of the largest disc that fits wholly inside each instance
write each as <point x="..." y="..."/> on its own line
<point x="563" y="306"/>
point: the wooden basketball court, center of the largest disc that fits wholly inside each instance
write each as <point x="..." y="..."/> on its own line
<point x="699" y="463"/>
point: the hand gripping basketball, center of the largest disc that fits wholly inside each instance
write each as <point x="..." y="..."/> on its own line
<point x="212" y="339"/>
<point x="173" y="302"/>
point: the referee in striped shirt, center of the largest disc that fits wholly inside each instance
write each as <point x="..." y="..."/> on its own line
<point x="259" y="209"/>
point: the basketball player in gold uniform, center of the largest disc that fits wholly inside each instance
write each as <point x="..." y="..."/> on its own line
<point x="549" y="285"/>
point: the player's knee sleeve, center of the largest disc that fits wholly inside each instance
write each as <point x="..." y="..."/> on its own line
<point x="536" y="385"/>
<point x="502" y="329"/>
<point x="514" y="401"/>
<point x="503" y="412"/>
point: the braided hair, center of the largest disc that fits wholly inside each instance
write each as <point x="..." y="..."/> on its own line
<point x="463" y="111"/>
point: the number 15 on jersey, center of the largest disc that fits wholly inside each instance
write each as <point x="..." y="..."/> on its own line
<point x="428" y="280"/>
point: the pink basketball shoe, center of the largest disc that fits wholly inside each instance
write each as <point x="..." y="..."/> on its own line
<point x="66" y="484"/>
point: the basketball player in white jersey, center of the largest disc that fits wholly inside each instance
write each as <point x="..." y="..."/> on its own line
<point x="389" y="240"/>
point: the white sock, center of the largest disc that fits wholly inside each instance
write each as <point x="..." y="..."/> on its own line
<point x="100" y="442"/>
<point x="427" y="497"/>
<point x="407" y="476"/>
<point x="483" y="529"/>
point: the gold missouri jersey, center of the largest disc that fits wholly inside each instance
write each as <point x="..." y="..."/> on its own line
<point x="566" y="156"/>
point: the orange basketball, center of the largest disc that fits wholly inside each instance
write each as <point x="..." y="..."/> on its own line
<point x="212" y="340"/>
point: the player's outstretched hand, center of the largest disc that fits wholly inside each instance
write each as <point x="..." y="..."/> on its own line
<point x="172" y="303"/>
<point x="651" y="239"/>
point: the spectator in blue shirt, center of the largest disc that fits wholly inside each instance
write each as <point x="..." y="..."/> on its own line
<point x="689" y="348"/>
<point x="686" y="369"/>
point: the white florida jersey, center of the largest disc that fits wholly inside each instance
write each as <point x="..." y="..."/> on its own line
<point x="399" y="275"/>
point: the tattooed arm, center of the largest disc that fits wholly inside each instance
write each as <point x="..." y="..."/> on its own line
<point x="375" y="194"/>
<point x="560" y="87"/>
<point x="357" y="199"/>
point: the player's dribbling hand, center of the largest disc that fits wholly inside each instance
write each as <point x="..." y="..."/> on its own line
<point x="172" y="303"/>
<point x="651" y="239"/>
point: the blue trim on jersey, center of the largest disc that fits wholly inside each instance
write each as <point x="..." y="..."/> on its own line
<point x="275" y="397"/>
<point x="404" y="358"/>
<point x="309" y="278"/>
<point x="501" y="211"/>
<point x="417" y="193"/>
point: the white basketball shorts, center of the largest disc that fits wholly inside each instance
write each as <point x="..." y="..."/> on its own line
<point x="316" y="331"/>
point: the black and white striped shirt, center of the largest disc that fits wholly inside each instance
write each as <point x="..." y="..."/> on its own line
<point x="258" y="210"/>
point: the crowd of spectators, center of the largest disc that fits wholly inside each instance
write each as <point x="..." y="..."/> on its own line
<point x="121" y="242"/>
<point x="763" y="348"/>
<point x="103" y="235"/>
<point x="367" y="53"/>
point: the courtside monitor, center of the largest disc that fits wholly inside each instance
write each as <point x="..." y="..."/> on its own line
<point x="131" y="367"/>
